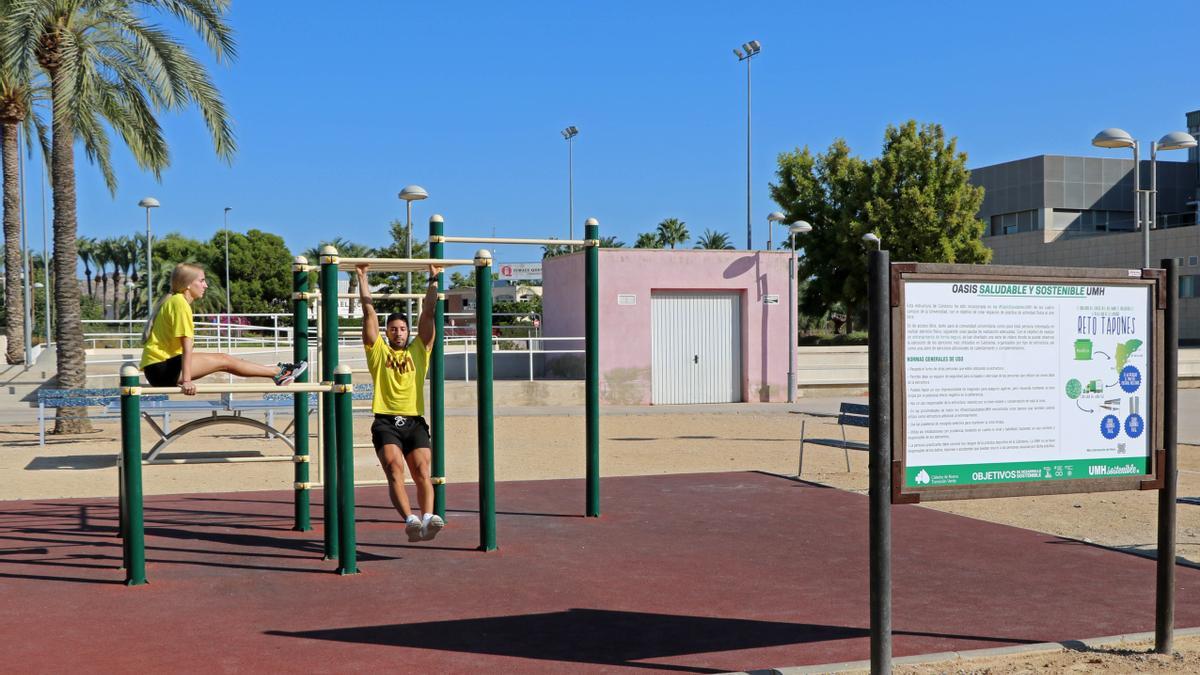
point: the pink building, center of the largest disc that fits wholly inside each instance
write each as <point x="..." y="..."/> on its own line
<point x="680" y="326"/>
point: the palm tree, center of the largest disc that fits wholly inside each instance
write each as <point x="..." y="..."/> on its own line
<point x="349" y="249"/>
<point x="611" y="242"/>
<point x="108" y="65"/>
<point x="14" y="111"/>
<point x="711" y="239"/>
<point x="102" y="254"/>
<point x="672" y="231"/>
<point x="648" y="240"/>
<point x="14" y="299"/>
<point x="87" y="246"/>
<point x="120" y="260"/>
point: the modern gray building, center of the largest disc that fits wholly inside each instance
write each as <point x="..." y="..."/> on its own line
<point x="1061" y="211"/>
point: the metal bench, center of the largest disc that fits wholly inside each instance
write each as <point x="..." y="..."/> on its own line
<point x="50" y="400"/>
<point x="849" y="414"/>
<point x="233" y="409"/>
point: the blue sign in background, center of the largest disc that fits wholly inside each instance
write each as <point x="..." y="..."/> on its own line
<point x="1131" y="379"/>
<point x="1110" y="426"/>
<point x="1134" y="425"/>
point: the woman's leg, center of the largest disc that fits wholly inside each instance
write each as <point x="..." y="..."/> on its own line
<point x="205" y="363"/>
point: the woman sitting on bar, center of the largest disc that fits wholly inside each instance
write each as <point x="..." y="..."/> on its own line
<point x="168" y="357"/>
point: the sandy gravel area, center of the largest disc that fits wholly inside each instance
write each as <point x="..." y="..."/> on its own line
<point x="544" y="447"/>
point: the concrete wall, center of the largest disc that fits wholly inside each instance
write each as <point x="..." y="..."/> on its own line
<point x="625" y="340"/>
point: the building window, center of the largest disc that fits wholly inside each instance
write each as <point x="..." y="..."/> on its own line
<point x="1012" y="223"/>
<point x="1193" y="261"/>
<point x="1188" y="284"/>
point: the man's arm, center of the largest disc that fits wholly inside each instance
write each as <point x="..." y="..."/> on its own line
<point x="425" y="325"/>
<point x="370" y="325"/>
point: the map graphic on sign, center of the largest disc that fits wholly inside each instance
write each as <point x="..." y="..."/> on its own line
<point x="519" y="271"/>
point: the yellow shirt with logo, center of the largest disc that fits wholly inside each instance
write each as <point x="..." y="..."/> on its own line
<point x="174" y="321"/>
<point x="399" y="376"/>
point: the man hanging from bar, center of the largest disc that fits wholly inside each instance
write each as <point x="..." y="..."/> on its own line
<point x="399" y="432"/>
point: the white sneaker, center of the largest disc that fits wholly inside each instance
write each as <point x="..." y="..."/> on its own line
<point x="412" y="527"/>
<point x="432" y="526"/>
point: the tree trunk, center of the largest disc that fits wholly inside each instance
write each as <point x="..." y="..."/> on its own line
<point x="88" y="272"/>
<point x="68" y="333"/>
<point x="14" y="298"/>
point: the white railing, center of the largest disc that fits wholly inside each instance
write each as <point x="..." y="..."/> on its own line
<point x="213" y="331"/>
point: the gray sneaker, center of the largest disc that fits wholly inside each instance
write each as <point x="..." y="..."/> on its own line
<point x="431" y="528"/>
<point x="412" y="527"/>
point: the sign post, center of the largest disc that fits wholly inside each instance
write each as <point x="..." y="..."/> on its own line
<point x="1009" y="381"/>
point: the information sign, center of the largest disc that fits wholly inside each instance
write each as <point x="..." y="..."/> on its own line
<point x="1005" y="382"/>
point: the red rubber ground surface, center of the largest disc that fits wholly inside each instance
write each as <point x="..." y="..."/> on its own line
<point x="692" y="573"/>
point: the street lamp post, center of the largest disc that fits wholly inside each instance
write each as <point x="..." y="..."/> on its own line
<point x="746" y="53"/>
<point x="1119" y="138"/>
<point x="798" y="227"/>
<point x="228" y="303"/>
<point x="569" y="134"/>
<point x="149" y="203"/>
<point x="129" y="286"/>
<point x="772" y="218"/>
<point x="36" y="285"/>
<point x="410" y="194"/>
<point x="872" y="238"/>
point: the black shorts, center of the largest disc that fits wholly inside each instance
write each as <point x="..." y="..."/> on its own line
<point x="408" y="432"/>
<point x="165" y="373"/>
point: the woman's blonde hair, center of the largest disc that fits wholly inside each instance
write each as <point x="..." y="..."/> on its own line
<point x="181" y="277"/>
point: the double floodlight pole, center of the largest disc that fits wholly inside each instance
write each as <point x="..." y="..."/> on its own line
<point x="748" y="51"/>
<point x="1145" y="210"/>
<point x="569" y="134"/>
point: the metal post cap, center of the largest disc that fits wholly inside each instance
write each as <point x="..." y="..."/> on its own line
<point x="483" y="257"/>
<point x="328" y="249"/>
<point x="129" y="370"/>
<point x="300" y="260"/>
<point x="342" y="369"/>
<point x="591" y="221"/>
<point x="436" y="218"/>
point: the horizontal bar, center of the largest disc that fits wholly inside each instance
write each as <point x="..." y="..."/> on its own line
<point x="217" y="460"/>
<point x="401" y="264"/>
<point x="388" y="296"/>
<point x="245" y="388"/>
<point x="360" y="483"/>
<point x="506" y="240"/>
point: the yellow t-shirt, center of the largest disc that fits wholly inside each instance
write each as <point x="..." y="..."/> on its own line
<point x="399" y="376"/>
<point x="174" y="321"/>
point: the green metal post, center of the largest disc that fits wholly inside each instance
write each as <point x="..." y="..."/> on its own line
<point x="348" y="557"/>
<point x="591" y="264"/>
<point x="300" y="406"/>
<point x="483" y="371"/>
<point x="131" y="474"/>
<point x="437" y="377"/>
<point x="329" y="360"/>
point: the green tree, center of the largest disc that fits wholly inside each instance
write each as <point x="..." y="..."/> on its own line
<point x="915" y="196"/>
<point x="260" y="271"/>
<point x="611" y="242"/>
<point x="829" y="190"/>
<point x="648" y="240"/>
<point x="460" y="280"/>
<point x="922" y="204"/>
<point x="672" y="231"/>
<point x="105" y="62"/>
<point x="711" y="239"/>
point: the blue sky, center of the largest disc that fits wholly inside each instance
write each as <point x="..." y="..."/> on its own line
<point x="336" y="110"/>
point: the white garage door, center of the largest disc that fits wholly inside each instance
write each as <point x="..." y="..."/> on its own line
<point x="696" y="350"/>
